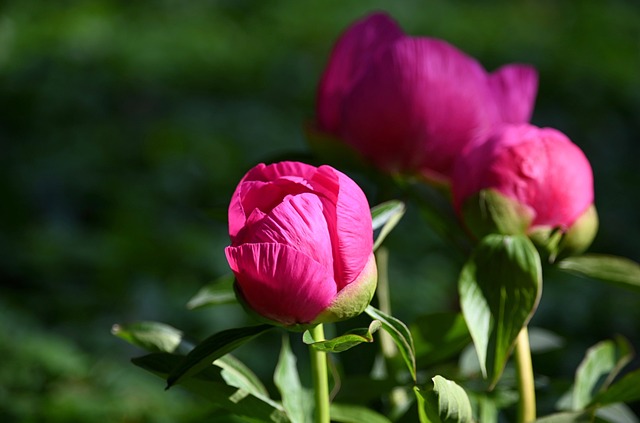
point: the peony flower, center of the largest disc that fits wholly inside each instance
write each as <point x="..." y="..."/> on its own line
<point x="301" y="244"/>
<point x="528" y="179"/>
<point x="412" y="104"/>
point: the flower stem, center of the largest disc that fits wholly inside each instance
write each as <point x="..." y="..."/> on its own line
<point x="524" y="372"/>
<point x="397" y="397"/>
<point x="320" y="377"/>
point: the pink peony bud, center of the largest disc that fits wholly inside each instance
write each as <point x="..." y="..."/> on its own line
<point x="412" y="104"/>
<point x="528" y="179"/>
<point x="301" y="244"/>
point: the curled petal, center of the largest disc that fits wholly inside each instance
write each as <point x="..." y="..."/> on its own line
<point x="264" y="187"/>
<point x="281" y="283"/>
<point x="353" y="232"/>
<point x="297" y="222"/>
<point x="349" y="57"/>
<point x="515" y="87"/>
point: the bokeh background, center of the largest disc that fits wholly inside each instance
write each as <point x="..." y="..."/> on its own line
<point x="125" y="127"/>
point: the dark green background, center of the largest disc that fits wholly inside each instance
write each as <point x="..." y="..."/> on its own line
<point x="124" y="127"/>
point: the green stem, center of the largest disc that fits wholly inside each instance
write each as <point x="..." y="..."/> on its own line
<point x="397" y="397"/>
<point x="524" y="372"/>
<point x="320" y="377"/>
<point x="389" y="349"/>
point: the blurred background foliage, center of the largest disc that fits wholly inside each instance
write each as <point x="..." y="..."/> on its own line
<point x="125" y="127"/>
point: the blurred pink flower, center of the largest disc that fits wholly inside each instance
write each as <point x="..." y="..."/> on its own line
<point x="411" y="104"/>
<point x="301" y="244"/>
<point x="539" y="169"/>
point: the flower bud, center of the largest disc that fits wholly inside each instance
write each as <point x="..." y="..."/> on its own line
<point x="531" y="180"/>
<point x="301" y="244"/>
<point x="411" y="104"/>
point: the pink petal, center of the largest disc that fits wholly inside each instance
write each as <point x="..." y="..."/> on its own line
<point x="264" y="187"/>
<point x="297" y="222"/>
<point x="539" y="167"/>
<point x="280" y="283"/>
<point x="417" y="106"/>
<point x="349" y="217"/>
<point x="350" y="55"/>
<point x="515" y="87"/>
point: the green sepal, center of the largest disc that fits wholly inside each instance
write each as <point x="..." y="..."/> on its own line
<point x="354" y="298"/>
<point x="490" y="212"/>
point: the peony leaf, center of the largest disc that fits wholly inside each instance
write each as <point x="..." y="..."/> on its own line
<point x="210" y="385"/>
<point x="347" y="413"/>
<point x="500" y="287"/>
<point x="439" y="336"/>
<point x="385" y="216"/>
<point x="573" y="417"/>
<point x="447" y="402"/>
<point x="344" y="342"/>
<point x="401" y="336"/>
<point x="150" y="336"/>
<point x="616" y="413"/>
<point x="235" y="373"/>
<point x="295" y="399"/>
<point x="211" y="349"/>
<point x="600" y="366"/>
<point x="627" y="389"/>
<point x="217" y="292"/>
<point x="615" y="270"/>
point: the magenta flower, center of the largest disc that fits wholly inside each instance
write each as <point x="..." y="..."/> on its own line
<point x="544" y="184"/>
<point x="301" y="244"/>
<point x="411" y="104"/>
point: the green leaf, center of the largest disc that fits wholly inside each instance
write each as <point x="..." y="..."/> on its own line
<point x="210" y="385"/>
<point x="500" y="287"/>
<point x="615" y="270"/>
<point x="213" y="348"/>
<point x="217" y="292"/>
<point x="150" y="336"/>
<point x="616" y="413"/>
<point x="627" y="389"/>
<point x="385" y="216"/>
<point x="344" y="342"/>
<point x="439" y="336"/>
<point x="573" y="417"/>
<point x="237" y="374"/>
<point x="346" y="413"/>
<point x="400" y="334"/>
<point x="447" y="402"/>
<point x="295" y="399"/>
<point x="597" y="370"/>
<point x="542" y="340"/>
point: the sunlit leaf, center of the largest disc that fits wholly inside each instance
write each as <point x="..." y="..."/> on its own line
<point x="213" y="348"/>
<point x="627" y="389"/>
<point x="500" y="287"/>
<point x="217" y="292"/>
<point x="210" y="385"/>
<point x="346" y="413"/>
<point x="542" y="340"/>
<point x="615" y="270"/>
<point x="439" y="336"/>
<point x="295" y="399"/>
<point x="344" y="342"/>
<point x="616" y="413"/>
<point x="400" y="334"/>
<point x="385" y="216"/>
<point x="237" y="374"/>
<point x="597" y="370"/>
<point x="573" y="417"/>
<point x="150" y="336"/>
<point x="446" y="402"/>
